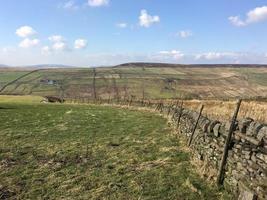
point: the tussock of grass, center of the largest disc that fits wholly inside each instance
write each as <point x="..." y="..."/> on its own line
<point x="90" y="152"/>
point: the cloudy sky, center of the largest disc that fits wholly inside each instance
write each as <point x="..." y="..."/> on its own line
<point x="107" y="32"/>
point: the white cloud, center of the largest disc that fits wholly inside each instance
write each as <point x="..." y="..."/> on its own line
<point x="27" y="43"/>
<point x="25" y="31"/>
<point x="235" y="20"/>
<point x="174" y="54"/>
<point x="21" y="57"/>
<point x="80" y="44"/>
<point x="230" y="58"/>
<point x="217" y="55"/>
<point x="253" y="16"/>
<point x="122" y="25"/>
<point x="46" y="50"/>
<point x="147" y="20"/>
<point x="185" y="33"/>
<point x="70" y="5"/>
<point x="56" y="38"/>
<point x="59" y="43"/>
<point x="257" y="15"/>
<point x="59" y="46"/>
<point x="98" y="3"/>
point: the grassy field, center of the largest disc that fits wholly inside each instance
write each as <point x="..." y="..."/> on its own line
<point x="92" y="152"/>
<point x="7" y="76"/>
<point x="153" y="82"/>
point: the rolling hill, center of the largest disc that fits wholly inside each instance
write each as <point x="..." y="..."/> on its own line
<point x="141" y="80"/>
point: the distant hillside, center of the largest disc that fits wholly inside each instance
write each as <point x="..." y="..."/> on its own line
<point x="3" y="66"/>
<point x="142" y="64"/>
<point x="140" y="80"/>
<point x="168" y="65"/>
<point x="45" y="66"/>
<point x="41" y="66"/>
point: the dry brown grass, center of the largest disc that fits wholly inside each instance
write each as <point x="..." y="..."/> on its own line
<point x="223" y="110"/>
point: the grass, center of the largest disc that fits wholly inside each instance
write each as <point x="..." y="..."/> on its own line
<point x="27" y="99"/>
<point x="7" y="76"/>
<point x="163" y="82"/>
<point x="92" y="152"/>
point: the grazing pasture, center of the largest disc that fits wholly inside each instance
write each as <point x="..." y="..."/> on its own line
<point x="92" y="152"/>
<point x="142" y="81"/>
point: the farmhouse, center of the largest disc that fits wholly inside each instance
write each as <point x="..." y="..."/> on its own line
<point x="48" y="82"/>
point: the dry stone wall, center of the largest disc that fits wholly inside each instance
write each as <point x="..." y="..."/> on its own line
<point x="246" y="166"/>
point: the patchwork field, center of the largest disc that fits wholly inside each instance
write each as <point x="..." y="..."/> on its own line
<point x="141" y="81"/>
<point x="92" y="152"/>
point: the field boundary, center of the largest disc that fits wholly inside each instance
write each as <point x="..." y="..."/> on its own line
<point x="236" y="151"/>
<point x="17" y="79"/>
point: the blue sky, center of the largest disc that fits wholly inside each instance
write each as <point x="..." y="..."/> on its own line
<point x="107" y="32"/>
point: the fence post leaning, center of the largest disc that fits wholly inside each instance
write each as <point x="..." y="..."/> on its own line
<point x="180" y="114"/>
<point x="157" y="107"/>
<point x="227" y="143"/>
<point x="161" y="107"/>
<point x="169" y="110"/>
<point x="94" y="84"/>
<point x="195" y="127"/>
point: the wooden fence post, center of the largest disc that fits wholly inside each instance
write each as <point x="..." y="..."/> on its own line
<point x="157" y="107"/>
<point x="94" y="88"/>
<point x="131" y="100"/>
<point x="142" y="102"/>
<point x="195" y="127"/>
<point x="180" y="114"/>
<point x="227" y="143"/>
<point x="161" y="107"/>
<point x="175" y="110"/>
<point x="169" y="109"/>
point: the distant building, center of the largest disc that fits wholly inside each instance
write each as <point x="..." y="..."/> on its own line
<point x="48" y="82"/>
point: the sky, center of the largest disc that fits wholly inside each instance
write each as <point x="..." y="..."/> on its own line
<point x="107" y="32"/>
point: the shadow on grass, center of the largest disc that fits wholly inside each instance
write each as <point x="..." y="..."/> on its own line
<point x="6" y="108"/>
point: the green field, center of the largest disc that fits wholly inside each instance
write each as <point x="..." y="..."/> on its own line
<point x="92" y="152"/>
<point x="140" y="81"/>
<point x="7" y="76"/>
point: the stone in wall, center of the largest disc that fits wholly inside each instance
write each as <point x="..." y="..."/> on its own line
<point x="262" y="134"/>
<point x="244" y="124"/>
<point x="253" y="129"/>
<point x="204" y="124"/>
<point x="212" y="125"/>
<point x="216" y="129"/>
